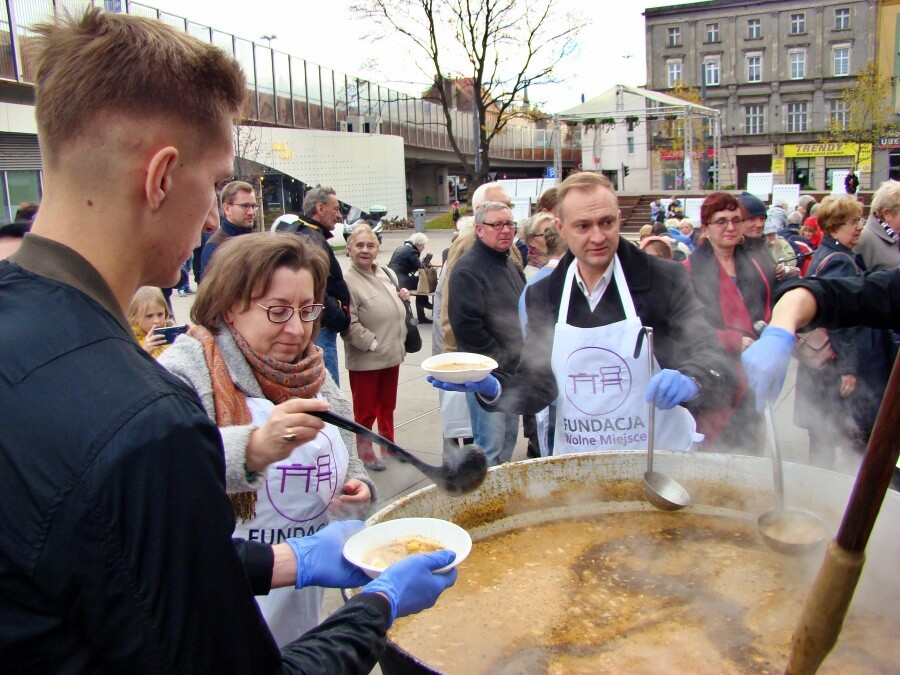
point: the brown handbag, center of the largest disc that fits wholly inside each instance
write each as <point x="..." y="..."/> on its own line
<point x="813" y="349"/>
<point x="427" y="280"/>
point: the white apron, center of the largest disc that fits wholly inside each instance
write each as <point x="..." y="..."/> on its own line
<point x="600" y="406"/>
<point x="294" y="503"/>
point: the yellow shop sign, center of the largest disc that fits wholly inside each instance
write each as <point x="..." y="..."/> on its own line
<point x="863" y="150"/>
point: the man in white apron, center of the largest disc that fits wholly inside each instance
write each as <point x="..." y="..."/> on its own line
<point x="584" y="350"/>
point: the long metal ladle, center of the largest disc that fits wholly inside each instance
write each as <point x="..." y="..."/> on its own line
<point x="661" y="491"/>
<point x="790" y="531"/>
<point x="462" y="470"/>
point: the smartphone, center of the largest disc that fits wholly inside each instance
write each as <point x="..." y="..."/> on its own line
<point x="171" y="332"/>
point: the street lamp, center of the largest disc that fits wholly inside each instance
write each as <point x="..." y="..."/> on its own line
<point x="268" y="39"/>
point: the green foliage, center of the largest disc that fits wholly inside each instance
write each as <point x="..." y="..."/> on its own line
<point x="870" y="113"/>
<point x="445" y="220"/>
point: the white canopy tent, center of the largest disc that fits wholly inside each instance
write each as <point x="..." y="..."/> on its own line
<point x="657" y="105"/>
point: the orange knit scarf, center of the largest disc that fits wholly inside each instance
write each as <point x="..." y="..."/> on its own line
<point x="278" y="382"/>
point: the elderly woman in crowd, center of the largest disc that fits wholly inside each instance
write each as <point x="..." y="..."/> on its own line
<point x="406" y="263"/>
<point x="553" y="247"/>
<point x="251" y="359"/>
<point x="656" y="246"/>
<point x="736" y="293"/>
<point x="837" y="404"/>
<point x="533" y="233"/>
<point x="878" y="243"/>
<point x="373" y="345"/>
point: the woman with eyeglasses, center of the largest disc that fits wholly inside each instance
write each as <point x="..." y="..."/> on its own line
<point x="251" y="359"/>
<point x="837" y="404"/>
<point x="736" y="294"/>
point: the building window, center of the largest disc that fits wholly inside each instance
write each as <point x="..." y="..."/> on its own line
<point x="754" y="119"/>
<point x="842" y="18"/>
<point x="754" y="67"/>
<point x="841" y="60"/>
<point x="796" y="117"/>
<point x="754" y="29"/>
<point x="840" y="114"/>
<point x="674" y="37"/>
<point x="712" y="32"/>
<point x="630" y="141"/>
<point x="711" y="72"/>
<point x="797" y="60"/>
<point x="798" y="23"/>
<point x="674" y="72"/>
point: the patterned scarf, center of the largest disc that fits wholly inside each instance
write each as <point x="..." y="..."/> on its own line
<point x="278" y="382"/>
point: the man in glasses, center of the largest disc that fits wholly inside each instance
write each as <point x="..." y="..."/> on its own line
<point x="483" y="308"/>
<point x="240" y="208"/>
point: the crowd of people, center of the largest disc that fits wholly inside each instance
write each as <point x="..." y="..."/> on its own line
<point x="190" y="477"/>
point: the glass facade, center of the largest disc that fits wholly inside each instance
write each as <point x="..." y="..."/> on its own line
<point x="286" y="90"/>
<point x="18" y="187"/>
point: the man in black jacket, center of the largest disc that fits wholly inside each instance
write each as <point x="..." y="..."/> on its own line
<point x="607" y="278"/>
<point x="321" y="213"/>
<point x="483" y="307"/>
<point x="117" y="553"/>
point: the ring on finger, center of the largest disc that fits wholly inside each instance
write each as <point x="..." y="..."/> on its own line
<point x="289" y="435"/>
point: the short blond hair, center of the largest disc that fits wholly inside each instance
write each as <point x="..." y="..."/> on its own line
<point x="584" y="181"/>
<point x="886" y="198"/>
<point x="133" y="66"/>
<point x="143" y="299"/>
<point x="835" y="211"/>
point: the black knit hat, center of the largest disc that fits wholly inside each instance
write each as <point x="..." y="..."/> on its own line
<point x="753" y="205"/>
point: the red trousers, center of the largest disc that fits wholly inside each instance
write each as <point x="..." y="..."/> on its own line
<point x="374" y="398"/>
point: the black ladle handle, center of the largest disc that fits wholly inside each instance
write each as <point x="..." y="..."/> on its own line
<point x="330" y="417"/>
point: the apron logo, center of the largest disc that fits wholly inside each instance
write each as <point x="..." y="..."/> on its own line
<point x="598" y="380"/>
<point x="317" y="473"/>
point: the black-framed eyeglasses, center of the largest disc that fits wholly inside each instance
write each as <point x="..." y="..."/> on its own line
<point x="283" y="313"/>
<point x="500" y="224"/>
<point x="247" y="206"/>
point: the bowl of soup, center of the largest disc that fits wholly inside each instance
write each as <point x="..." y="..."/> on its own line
<point x="380" y="546"/>
<point x="459" y="367"/>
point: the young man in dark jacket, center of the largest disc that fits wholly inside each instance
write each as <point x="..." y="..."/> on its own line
<point x="117" y="553"/>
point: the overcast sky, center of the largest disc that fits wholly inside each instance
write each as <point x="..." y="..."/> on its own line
<point x="611" y="49"/>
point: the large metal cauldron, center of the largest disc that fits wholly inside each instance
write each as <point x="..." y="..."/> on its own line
<point x="519" y="494"/>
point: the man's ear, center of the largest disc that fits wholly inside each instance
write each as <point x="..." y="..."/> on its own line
<point x="159" y="176"/>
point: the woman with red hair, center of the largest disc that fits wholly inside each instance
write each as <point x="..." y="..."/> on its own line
<point x="736" y="294"/>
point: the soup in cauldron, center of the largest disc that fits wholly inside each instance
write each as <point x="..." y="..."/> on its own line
<point x="633" y="592"/>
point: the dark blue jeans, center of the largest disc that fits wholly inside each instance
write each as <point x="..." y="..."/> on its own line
<point x="327" y="340"/>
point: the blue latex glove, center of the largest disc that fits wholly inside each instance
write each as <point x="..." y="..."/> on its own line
<point x="411" y="585"/>
<point x="668" y="388"/>
<point x="320" y="557"/>
<point x="489" y="387"/>
<point x="766" y="362"/>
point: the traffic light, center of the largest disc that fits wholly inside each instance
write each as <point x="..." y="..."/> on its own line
<point x="625" y="170"/>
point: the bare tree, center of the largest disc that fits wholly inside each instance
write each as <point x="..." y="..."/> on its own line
<point x="502" y="47"/>
<point x="867" y="116"/>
